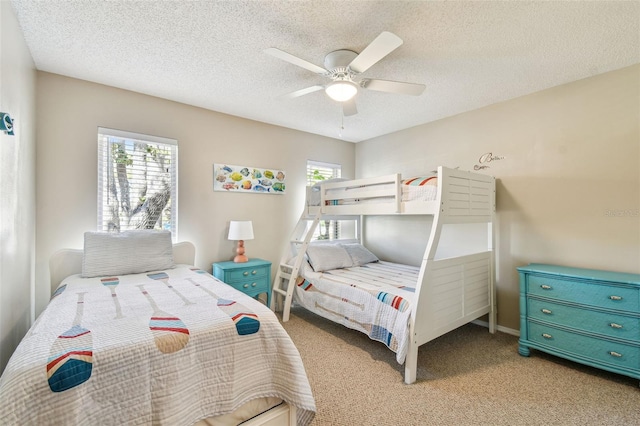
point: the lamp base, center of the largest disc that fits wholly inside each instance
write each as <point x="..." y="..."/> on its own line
<point x="240" y="257"/>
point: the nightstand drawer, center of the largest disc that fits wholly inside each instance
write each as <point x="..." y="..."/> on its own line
<point x="605" y="296"/>
<point x="261" y="284"/>
<point x="609" y="324"/>
<point x="244" y="274"/>
<point x="598" y="350"/>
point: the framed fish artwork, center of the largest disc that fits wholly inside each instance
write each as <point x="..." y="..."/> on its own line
<point x="230" y="178"/>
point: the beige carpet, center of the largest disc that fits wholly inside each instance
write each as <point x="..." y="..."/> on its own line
<point x="467" y="377"/>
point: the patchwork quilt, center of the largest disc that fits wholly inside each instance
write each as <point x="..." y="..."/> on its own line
<point x="169" y="347"/>
<point x="375" y="299"/>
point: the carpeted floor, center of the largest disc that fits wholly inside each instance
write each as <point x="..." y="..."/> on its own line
<point x="467" y="377"/>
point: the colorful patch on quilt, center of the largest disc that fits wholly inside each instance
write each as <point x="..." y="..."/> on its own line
<point x="70" y="359"/>
<point x="421" y="181"/>
<point x="59" y="291"/>
<point x="111" y="283"/>
<point x="169" y="332"/>
<point x="162" y="276"/>
<point x="246" y="322"/>
<point x="392" y="300"/>
<point x="307" y="286"/>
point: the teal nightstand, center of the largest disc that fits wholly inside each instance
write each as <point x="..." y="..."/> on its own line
<point x="252" y="277"/>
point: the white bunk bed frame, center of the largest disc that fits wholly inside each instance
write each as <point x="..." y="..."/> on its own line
<point x="451" y="291"/>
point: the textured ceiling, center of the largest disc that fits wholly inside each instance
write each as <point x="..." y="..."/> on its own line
<point x="210" y="54"/>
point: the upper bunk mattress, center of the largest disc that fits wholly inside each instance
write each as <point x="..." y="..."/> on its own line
<point x="375" y="299"/>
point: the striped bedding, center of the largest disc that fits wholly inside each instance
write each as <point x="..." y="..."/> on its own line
<point x="169" y="347"/>
<point x="375" y="299"/>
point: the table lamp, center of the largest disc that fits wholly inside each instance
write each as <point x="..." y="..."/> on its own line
<point x="240" y="230"/>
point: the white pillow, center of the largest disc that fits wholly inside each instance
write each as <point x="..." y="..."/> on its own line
<point x="127" y="252"/>
<point x="360" y="255"/>
<point x="324" y="257"/>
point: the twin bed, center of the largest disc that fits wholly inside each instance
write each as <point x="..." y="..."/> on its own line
<point x="134" y="334"/>
<point x="402" y="306"/>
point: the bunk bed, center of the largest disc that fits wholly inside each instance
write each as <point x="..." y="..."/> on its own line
<point x="134" y="334"/>
<point x="453" y="285"/>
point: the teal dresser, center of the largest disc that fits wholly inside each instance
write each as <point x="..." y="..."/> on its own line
<point x="584" y="315"/>
<point x="252" y="277"/>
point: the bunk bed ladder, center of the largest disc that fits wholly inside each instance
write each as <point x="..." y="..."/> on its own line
<point x="287" y="273"/>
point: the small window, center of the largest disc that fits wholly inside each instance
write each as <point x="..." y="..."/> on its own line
<point x="317" y="172"/>
<point x="137" y="181"/>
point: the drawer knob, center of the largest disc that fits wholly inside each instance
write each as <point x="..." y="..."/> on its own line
<point x="245" y="273"/>
<point x="246" y="286"/>
<point x="615" y="297"/>
<point x="547" y="336"/>
<point x="254" y="272"/>
<point x="546" y="311"/>
<point x="614" y="325"/>
<point x="616" y="354"/>
<point x="545" y="286"/>
<point x="253" y="285"/>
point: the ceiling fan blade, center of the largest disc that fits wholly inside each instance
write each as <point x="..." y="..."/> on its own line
<point x="281" y="54"/>
<point x="349" y="107"/>
<point x="303" y="92"/>
<point x="413" y="89"/>
<point x="380" y="47"/>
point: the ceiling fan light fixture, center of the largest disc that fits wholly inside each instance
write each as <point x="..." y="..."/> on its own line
<point x="341" y="90"/>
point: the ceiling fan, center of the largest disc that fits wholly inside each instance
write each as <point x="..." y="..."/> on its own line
<point x="343" y="68"/>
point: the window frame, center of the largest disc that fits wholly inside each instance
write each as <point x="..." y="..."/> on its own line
<point x="106" y="138"/>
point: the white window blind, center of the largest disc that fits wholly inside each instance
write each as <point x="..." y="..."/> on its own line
<point x="318" y="171"/>
<point x="137" y="181"/>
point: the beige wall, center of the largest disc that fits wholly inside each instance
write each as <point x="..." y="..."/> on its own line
<point x="69" y="113"/>
<point x="17" y="185"/>
<point x="568" y="188"/>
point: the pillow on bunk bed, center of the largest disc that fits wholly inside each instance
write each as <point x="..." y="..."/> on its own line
<point x="421" y="181"/>
<point x="127" y="252"/>
<point x="360" y="255"/>
<point x="323" y="257"/>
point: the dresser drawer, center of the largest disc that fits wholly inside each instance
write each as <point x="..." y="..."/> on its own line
<point x="586" y="293"/>
<point x="599" y="351"/>
<point x="244" y="274"/>
<point x="609" y="324"/>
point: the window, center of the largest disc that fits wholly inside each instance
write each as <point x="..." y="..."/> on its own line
<point x="317" y="172"/>
<point x="137" y="181"/>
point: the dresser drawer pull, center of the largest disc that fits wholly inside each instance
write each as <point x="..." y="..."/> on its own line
<point x="545" y="286"/>
<point x="254" y="272"/>
<point x="246" y="286"/>
<point x="615" y="297"/>
<point x="616" y="354"/>
<point x="546" y="311"/>
<point x="547" y="336"/>
<point x="245" y="273"/>
<point x="614" y="325"/>
<point x="253" y="285"/>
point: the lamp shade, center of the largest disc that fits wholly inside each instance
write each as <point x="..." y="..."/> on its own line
<point x="240" y="230"/>
<point x="341" y="90"/>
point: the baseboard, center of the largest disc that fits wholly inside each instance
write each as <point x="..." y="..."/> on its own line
<point x="499" y="328"/>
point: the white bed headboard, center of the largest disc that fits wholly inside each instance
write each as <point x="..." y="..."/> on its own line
<point x="67" y="262"/>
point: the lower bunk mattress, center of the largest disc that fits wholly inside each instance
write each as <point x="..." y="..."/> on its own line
<point x="375" y="299"/>
<point x="168" y="347"/>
